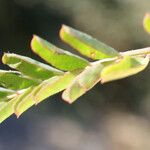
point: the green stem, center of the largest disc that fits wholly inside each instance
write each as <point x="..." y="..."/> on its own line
<point x="137" y="52"/>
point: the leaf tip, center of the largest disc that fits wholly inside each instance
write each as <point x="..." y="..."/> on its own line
<point x="4" y="58"/>
<point x="64" y="28"/>
<point x="68" y="101"/>
<point x="17" y="114"/>
<point x="102" y="81"/>
<point x="36" y="103"/>
<point x="61" y="31"/>
<point x="66" y="98"/>
<point x="146" y="22"/>
<point x="34" y="37"/>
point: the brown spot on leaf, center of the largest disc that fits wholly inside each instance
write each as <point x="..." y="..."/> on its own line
<point x="92" y="54"/>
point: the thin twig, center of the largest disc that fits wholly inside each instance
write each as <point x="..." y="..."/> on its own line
<point x="137" y="52"/>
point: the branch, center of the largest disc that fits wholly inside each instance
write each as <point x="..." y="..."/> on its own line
<point x="137" y="52"/>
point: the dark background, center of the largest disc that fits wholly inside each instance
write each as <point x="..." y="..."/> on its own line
<point x="113" y="116"/>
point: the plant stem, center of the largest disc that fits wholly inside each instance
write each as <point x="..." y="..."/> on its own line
<point x="137" y="52"/>
<point x="104" y="60"/>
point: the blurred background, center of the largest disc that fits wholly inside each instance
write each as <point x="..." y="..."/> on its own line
<point x="113" y="116"/>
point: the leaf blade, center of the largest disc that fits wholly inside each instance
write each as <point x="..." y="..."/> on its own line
<point x="146" y="22"/>
<point x="30" y="67"/>
<point x="83" y="82"/>
<point x="6" y="109"/>
<point x="15" y="81"/>
<point x="126" y="67"/>
<point x="86" y="45"/>
<point x="43" y="91"/>
<point x="24" y="102"/>
<point x="5" y="93"/>
<point x="54" y="55"/>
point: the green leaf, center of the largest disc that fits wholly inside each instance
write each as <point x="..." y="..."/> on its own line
<point x="36" y="81"/>
<point x="35" y="94"/>
<point x="54" y="85"/>
<point x="83" y="82"/>
<point x="146" y="22"/>
<point x="125" y="67"/>
<point x="6" y="109"/>
<point x="86" y="45"/>
<point x="5" y="93"/>
<point x="24" y="101"/>
<point x="15" y="80"/>
<point x="57" y="57"/>
<point x="30" y="67"/>
<point x="44" y="90"/>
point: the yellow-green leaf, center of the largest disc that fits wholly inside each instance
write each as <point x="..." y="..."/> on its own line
<point x="30" y="67"/>
<point x="83" y="82"/>
<point x="15" y="80"/>
<point x="5" y="93"/>
<point x="47" y="88"/>
<point x="125" y="67"/>
<point x="24" y="101"/>
<point x="6" y="109"/>
<point x="57" y="57"/>
<point x="86" y="45"/>
<point x="146" y="22"/>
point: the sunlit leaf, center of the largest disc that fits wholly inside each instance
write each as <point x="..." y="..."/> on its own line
<point x="44" y="90"/>
<point x="34" y="81"/>
<point x="4" y="93"/>
<point x="30" y="67"/>
<point x="146" y="22"/>
<point x="15" y="80"/>
<point x="125" y="67"/>
<point x="85" y="44"/>
<point x="6" y="109"/>
<point x="53" y="86"/>
<point x="24" y="101"/>
<point x="57" y="57"/>
<point x="83" y="82"/>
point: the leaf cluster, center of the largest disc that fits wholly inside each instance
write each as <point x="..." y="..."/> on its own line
<point x="33" y="81"/>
